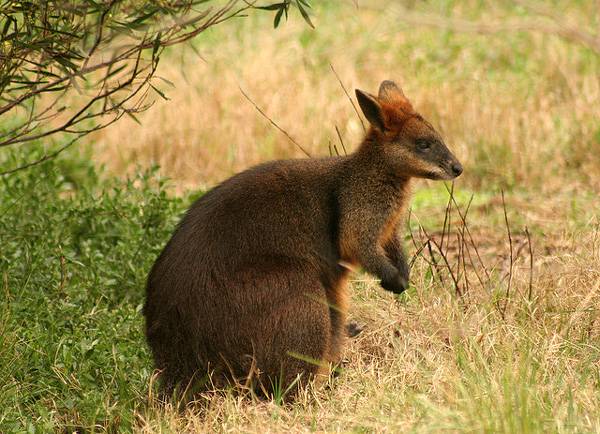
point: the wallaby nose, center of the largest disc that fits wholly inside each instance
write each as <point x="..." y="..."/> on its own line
<point x="457" y="168"/>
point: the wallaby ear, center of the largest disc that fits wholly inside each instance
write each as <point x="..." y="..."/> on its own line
<point x="390" y="91"/>
<point x="371" y="109"/>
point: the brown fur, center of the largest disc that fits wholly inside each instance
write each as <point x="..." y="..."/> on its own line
<point x="251" y="284"/>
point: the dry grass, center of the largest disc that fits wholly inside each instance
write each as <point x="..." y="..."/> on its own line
<point x="521" y="111"/>
<point x="514" y="107"/>
<point x="433" y="361"/>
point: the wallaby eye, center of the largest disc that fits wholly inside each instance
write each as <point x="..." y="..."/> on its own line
<point x="423" y="144"/>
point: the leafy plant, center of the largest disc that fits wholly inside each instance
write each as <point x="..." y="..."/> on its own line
<point x="108" y="51"/>
<point x="283" y="8"/>
<point x="73" y="264"/>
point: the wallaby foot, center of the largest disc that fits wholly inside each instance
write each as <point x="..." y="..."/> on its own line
<point x="353" y="329"/>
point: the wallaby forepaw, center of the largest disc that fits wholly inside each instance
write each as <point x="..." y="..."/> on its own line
<point x="397" y="284"/>
<point x="404" y="271"/>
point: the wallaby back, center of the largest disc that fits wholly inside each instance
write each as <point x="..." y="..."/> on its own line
<point x="251" y="287"/>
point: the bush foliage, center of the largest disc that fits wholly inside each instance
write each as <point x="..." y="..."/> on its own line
<point x="106" y="50"/>
<point x="73" y="264"/>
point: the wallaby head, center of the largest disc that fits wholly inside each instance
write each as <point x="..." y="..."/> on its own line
<point x="409" y="144"/>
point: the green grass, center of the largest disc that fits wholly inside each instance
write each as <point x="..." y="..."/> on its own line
<point x="521" y="112"/>
<point x="73" y="262"/>
<point x="76" y="248"/>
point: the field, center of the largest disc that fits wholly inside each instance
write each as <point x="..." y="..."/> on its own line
<point x="500" y="328"/>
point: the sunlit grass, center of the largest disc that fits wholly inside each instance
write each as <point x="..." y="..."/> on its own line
<point x="520" y="110"/>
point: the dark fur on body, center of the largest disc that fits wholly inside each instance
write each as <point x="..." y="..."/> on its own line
<point x="252" y="282"/>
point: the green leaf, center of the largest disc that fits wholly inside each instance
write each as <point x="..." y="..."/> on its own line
<point x="114" y="72"/>
<point x="156" y="45"/>
<point x="301" y="7"/>
<point x="278" y="17"/>
<point x="132" y="116"/>
<point x="158" y="91"/>
<point x="273" y="7"/>
<point x="9" y="21"/>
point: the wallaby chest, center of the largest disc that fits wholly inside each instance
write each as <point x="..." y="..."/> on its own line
<point x="396" y="212"/>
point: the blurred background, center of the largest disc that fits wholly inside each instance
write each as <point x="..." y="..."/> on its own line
<point x="519" y="106"/>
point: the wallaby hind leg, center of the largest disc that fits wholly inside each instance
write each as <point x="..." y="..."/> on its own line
<point x="294" y="342"/>
<point x="337" y="299"/>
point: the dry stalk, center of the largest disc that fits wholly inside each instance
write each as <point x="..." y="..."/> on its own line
<point x="447" y="215"/>
<point x="349" y="98"/>
<point x="530" y="291"/>
<point x="511" y="264"/>
<point x="418" y="249"/>
<point x="463" y="245"/>
<point x="285" y="133"/>
<point x="337" y="130"/>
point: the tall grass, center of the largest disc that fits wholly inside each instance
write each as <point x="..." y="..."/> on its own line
<point x="521" y="112"/>
<point x="520" y="109"/>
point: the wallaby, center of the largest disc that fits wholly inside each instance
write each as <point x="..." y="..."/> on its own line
<point x="252" y="286"/>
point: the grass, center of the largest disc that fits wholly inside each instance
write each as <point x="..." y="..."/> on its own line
<point x="505" y="103"/>
<point x="72" y="352"/>
<point x="520" y="110"/>
<point x="73" y="262"/>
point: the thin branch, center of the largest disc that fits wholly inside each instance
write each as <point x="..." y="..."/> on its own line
<point x="530" y="292"/>
<point x="349" y="98"/>
<point x="337" y="130"/>
<point x="510" y="269"/>
<point x="447" y="214"/>
<point x="290" y="138"/>
<point x="419" y="249"/>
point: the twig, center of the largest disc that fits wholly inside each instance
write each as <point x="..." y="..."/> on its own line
<point x="464" y="247"/>
<point x="459" y="256"/>
<point x="447" y="214"/>
<point x="414" y="242"/>
<point x="452" y="276"/>
<point x="337" y="151"/>
<point x="290" y="138"/>
<point x="349" y="98"/>
<point x="530" y="292"/>
<point x="434" y="262"/>
<point x="337" y="130"/>
<point x="510" y="269"/>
